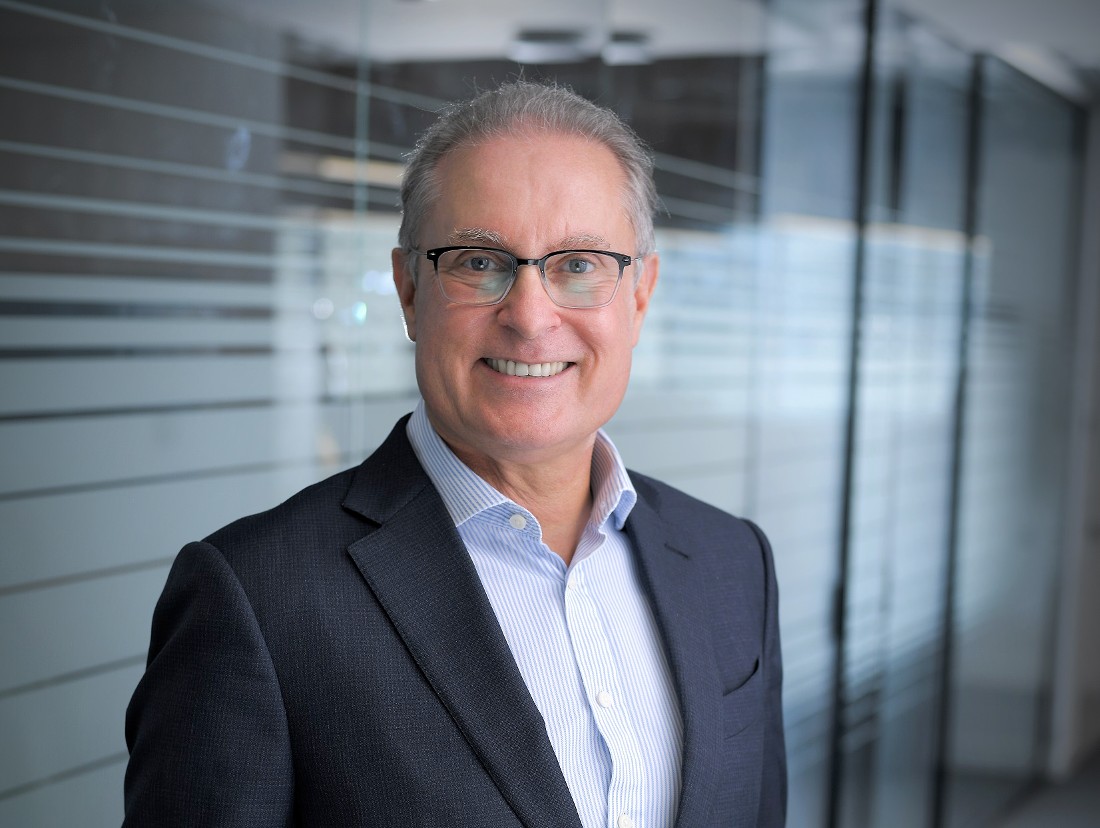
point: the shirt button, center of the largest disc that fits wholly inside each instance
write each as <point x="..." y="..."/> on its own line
<point x="605" y="699"/>
<point x="517" y="521"/>
<point x="624" y="822"/>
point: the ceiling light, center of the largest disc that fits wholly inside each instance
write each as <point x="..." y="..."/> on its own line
<point x="550" y="46"/>
<point x="627" y="49"/>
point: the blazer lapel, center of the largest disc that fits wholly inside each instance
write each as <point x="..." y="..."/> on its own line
<point x="421" y="574"/>
<point x="671" y="578"/>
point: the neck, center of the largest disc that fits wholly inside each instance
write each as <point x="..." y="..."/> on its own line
<point x="557" y="492"/>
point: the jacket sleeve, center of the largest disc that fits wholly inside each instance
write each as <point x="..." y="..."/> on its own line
<point x="773" y="793"/>
<point x="206" y="728"/>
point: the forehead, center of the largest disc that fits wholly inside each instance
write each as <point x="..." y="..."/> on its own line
<point x="532" y="185"/>
<point x="533" y="154"/>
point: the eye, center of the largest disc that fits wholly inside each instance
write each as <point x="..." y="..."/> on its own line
<point x="475" y="261"/>
<point x="577" y="266"/>
<point x="480" y="263"/>
<point x="583" y="266"/>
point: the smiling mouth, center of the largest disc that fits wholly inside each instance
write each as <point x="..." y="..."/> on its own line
<point x="524" y="369"/>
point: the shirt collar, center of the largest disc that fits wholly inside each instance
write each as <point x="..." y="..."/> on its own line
<point x="466" y="495"/>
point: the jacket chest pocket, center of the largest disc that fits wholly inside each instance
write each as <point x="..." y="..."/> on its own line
<point x="744" y="704"/>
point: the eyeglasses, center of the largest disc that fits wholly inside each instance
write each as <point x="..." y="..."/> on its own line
<point x="484" y="275"/>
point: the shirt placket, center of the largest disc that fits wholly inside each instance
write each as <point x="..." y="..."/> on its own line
<point x="603" y="685"/>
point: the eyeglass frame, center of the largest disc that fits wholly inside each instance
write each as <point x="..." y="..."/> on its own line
<point x="433" y="254"/>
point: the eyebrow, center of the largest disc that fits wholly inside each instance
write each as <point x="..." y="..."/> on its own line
<point x="475" y="235"/>
<point x="480" y="236"/>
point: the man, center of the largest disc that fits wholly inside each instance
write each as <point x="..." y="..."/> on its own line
<point x="489" y="622"/>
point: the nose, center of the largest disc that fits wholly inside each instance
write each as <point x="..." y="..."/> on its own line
<point x="528" y="308"/>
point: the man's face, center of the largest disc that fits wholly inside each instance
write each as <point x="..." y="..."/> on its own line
<point x="530" y="195"/>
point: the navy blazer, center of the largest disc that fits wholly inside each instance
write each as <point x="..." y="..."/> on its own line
<point x="336" y="662"/>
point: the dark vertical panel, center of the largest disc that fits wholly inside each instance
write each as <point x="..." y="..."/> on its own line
<point x="805" y="303"/>
<point x="899" y="499"/>
<point x="973" y="183"/>
<point x="863" y="172"/>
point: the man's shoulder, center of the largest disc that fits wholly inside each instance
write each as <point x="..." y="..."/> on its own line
<point x="331" y="512"/>
<point x="696" y="518"/>
<point x="671" y="502"/>
<point x="315" y="507"/>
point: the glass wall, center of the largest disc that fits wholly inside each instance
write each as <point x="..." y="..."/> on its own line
<point x="804" y="318"/>
<point x="1013" y="449"/>
<point x="197" y="204"/>
<point x="912" y="280"/>
<point x="193" y="326"/>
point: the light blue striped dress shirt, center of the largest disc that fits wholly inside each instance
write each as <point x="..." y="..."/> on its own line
<point x="584" y="637"/>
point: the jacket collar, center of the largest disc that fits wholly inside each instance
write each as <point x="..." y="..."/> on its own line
<point x="420" y="573"/>
<point x="672" y="581"/>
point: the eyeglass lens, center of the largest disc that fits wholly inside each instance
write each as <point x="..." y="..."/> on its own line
<point x="573" y="278"/>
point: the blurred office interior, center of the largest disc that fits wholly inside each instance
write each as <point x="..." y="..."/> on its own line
<point x="875" y="334"/>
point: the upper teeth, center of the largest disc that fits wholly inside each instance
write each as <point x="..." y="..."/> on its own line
<point x="523" y="369"/>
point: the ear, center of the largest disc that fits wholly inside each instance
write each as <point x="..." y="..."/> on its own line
<point x="405" y="283"/>
<point x="643" y="291"/>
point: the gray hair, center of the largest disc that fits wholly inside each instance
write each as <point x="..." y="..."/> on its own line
<point x="512" y="109"/>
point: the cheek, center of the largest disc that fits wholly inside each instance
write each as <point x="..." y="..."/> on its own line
<point x="427" y="321"/>
<point x="445" y="339"/>
<point x="625" y="334"/>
